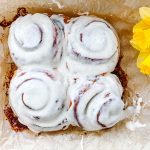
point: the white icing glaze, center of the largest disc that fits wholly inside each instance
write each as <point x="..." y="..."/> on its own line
<point x="36" y="98"/>
<point x="87" y="46"/>
<point x="35" y="39"/>
<point x="92" y="46"/>
<point x="96" y="102"/>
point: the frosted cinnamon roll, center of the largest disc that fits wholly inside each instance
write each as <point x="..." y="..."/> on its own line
<point x="35" y="39"/>
<point x="96" y="103"/>
<point x="38" y="98"/>
<point x="92" y="46"/>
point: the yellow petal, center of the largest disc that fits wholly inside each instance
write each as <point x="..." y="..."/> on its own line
<point x="145" y="65"/>
<point x="144" y="12"/>
<point x="141" y="58"/>
<point x="147" y="39"/>
<point x="141" y="40"/>
<point x="142" y="25"/>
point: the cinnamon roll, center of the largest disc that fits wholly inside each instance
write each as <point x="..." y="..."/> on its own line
<point x="95" y="103"/>
<point x="92" y="46"/>
<point x="38" y="98"/>
<point x="36" y="39"/>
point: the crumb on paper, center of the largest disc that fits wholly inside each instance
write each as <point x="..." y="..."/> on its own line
<point x="138" y="104"/>
<point x="58" y="4"/>
<point x="136" y="109"/>
<point x="81" y="143"/>
<point x="131" y="125"/>
<point x="83" y="13"/>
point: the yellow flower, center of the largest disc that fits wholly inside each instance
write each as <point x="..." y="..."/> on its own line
<point x="141" y="40"/>
<point x="143" y="62"/>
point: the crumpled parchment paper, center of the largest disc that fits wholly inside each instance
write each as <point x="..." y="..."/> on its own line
<point x="122" y="14"/>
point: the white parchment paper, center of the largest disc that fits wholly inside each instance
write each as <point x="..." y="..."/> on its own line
<point x="122" y="14"/>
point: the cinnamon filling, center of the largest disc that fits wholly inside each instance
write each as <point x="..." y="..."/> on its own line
<point x="22" y="98"/>
<point x="97" y="21"/>
<point x="99" y="113"/>
<point x="92" y="60"/>
<point x="22" y="74"/>
<point x="77" y="100"/>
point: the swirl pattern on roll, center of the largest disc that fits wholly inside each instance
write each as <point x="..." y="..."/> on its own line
<point x="37" y="100"/>
<point x="96" y="103"/>
<point x="36" y="39"/>
<point x="92" y="46"/>
<point x="85" y="51"/>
